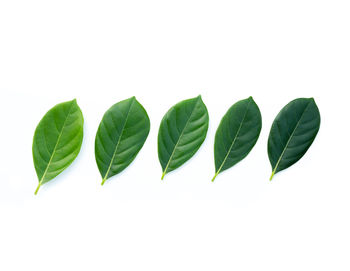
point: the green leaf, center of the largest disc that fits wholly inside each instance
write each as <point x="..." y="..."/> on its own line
<point x="237" y="134"/>
<point x="292" y="133"/>
<point x="57" y="140"/>
<point x="181" y="133"/>
<point x="122" y="132"/>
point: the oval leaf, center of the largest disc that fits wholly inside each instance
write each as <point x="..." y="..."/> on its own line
<point x="181" y="133"/>
<point x="57" y="140"/>
<point x="122" y="132"/>
<point x="292" y="133"/>
<point x="237" y="134"/>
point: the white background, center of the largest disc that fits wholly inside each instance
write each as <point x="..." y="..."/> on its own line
<point x="101" y="52"/>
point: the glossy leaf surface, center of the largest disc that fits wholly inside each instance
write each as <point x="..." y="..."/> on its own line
<point x="237" y="134"/>
<point x="292" y="133"/>
<point x="121" y="134"/>
<point x="57" y="140"/>
<point x="181" y="133"/>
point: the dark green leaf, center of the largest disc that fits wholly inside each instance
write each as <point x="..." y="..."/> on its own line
<point x="292" y="133"/>
<point x="237" y="134"/>
<point x="181" y="133"/>
<point x="57" y="140"/>
<point x="122" y="132"/>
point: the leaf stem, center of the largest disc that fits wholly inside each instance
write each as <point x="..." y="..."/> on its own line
<point x="37" y="189"/>
<point x="216" y="174"/>
<point x="273" y="174"/>
<point x="103" y="181"/>
<point x="163" y="175"/>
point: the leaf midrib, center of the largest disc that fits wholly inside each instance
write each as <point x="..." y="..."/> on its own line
<point x="234" y="140"/>
<point x="289" y="139"/>
<point x="117" y="145"/>
<point x="55" y="148"/>
<point x="179" y="139"/>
